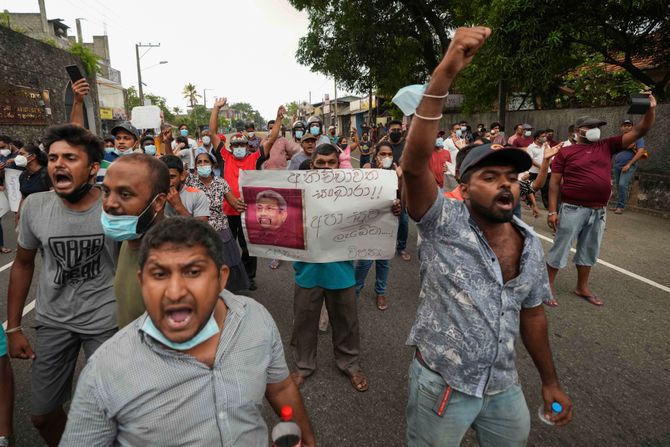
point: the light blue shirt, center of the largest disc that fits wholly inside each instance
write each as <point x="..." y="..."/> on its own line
<point x="468" y="319"/>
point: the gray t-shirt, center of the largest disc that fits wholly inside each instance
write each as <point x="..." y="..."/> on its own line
<point x="194" y="200"/>
<point x="76" y="283"/>
<point x="297" y="160"/>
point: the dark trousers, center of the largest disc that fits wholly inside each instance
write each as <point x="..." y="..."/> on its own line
<point x="544" y="190"/>
<point x="343" y="316"/>
<point x="250" y="262"/>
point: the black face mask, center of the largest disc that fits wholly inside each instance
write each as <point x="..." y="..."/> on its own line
<point x="78" y="194"/>
<point x="395" y="136"/>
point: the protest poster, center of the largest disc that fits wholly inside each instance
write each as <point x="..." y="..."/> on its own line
<point x="13" y="188"/>
<point x="320" y="215"/>
<point x="4" y="204"/>
<point x="146" y="117"/>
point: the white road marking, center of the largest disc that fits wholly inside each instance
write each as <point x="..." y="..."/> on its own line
<point x="6" y="266"/>
<point x="617" y="268"/>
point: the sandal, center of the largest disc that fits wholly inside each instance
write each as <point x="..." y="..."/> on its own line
<point x="274" y="264"/>
<point x="5" y="250"/>
<point x="405" y="256"/>
<point x="381" y="302"/>
<point x="593" y="299"/>
<point x="359" y="381"/>
<point x="551" y="303"/>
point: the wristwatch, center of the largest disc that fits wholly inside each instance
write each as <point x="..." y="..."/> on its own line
<point x="6" y="441"/>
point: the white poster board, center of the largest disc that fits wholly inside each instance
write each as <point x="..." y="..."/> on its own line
<point x="4" y="204"/>
<point x="12" y="188"/>
<point x="146" y="117"/>
<point x="321" y="215"/>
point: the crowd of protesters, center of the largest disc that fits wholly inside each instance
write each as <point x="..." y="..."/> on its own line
<point x="142" y="269"/>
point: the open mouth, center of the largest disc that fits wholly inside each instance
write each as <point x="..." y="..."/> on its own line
<point x="265" y="221"/>
<point x="178" y="318"/>
<point x="505" y="201"/>
<point x="62" y="180"/>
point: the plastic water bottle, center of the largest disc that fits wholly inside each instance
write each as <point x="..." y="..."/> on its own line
<point x="286" y="433"/>
<point x="556" y="408"/>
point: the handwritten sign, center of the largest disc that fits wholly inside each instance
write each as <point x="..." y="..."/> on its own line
<point x="13" y="188"/>
<point x="320" y="215"/>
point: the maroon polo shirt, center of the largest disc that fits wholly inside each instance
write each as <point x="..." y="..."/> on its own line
<point x="522" y="141"/>
<point x="586" y="170"/>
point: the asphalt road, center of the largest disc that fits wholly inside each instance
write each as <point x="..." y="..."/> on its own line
<point x="613" y="361"/>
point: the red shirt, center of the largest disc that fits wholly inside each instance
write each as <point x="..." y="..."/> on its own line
<point x="437" y="161"/>
<point x="231" y="173"/>
<point x="455" y="194"/>
<point x="522" y="141"/>
<point x="586" y="170"/>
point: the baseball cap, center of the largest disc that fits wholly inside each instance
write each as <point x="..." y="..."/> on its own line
<point x="495" y="154"/>
<point x="528" y="126"/>
<point x="307" y="136"/>
<point x="127" y="127"/>
<point x="238" y="138"/>
<point x="586" y="121"/>
<point x="626" y="121"/>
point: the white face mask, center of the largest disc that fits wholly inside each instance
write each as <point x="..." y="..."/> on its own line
<point x="527" y="133"/>
<point x="592" y="135"/>
<point x="387" y="162"/>
<point x="5" y="152"/>
<point x="206" y="140"/>
<point x="21" y="161"/>
<point x="250" y="134"/>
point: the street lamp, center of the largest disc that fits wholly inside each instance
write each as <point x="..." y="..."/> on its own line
<point x="204" y="95"/>
<point x="155" y="65"/>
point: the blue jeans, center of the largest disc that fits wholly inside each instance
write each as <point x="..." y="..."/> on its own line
<point x="621" y="183"/>
<point x="584" y="224"/>
<point x="403" y="230"/>
<point x="382" y="267"/>
<point x="499" y="420"/>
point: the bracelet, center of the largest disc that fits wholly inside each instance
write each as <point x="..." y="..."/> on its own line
<point x="14" y="329"/>
<point x="551" y="213"/>
<point x="432" y="118"/>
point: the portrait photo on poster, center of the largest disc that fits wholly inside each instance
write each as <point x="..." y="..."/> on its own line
<point x="275" y="216"/>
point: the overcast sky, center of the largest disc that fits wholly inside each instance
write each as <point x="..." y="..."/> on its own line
<point x="243" y="50"/>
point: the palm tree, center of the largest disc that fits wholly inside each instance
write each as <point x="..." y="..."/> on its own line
<point x="176" y="110"/>
<point x="191" y="94"/>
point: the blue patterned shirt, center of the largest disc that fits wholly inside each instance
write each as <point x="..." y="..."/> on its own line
<point x="134" y="391"/>
<point x="468" y="319"/>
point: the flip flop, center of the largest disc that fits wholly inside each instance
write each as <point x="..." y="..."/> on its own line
<point x="359" y="381"/>
<point x="593" y="299"/>
<point x="405" y="256"/>
<point x="274" y="264"/>
<point x="381" y="302"/>
<point x="6" y="250"/>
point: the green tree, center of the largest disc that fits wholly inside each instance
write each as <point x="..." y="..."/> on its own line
<point x="176" y="110"/>
<point x="191" y="94"/>
<point x="162" y="104"/>
<point x="132" y="98"/>
<point x="88" y="58"/>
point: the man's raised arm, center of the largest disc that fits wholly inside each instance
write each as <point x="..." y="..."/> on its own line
<point x="80" y="90"/>
<point x="420" y="188"/>
<point x="214" y="122"/>
<point x="643" y="126"/>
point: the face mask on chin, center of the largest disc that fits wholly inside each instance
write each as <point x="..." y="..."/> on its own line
<point x="124" y="228"/>
<point x="210" y="329"/>
<point x="78" y="194"/>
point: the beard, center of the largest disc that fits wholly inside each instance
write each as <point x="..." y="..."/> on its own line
<point x="493" y="213"/>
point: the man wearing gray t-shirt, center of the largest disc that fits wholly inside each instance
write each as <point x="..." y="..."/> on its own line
<point x="75" y="305"/>
<point x="183" y="200"/>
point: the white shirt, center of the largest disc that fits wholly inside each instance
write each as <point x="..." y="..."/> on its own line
<point x="537" y="154"/>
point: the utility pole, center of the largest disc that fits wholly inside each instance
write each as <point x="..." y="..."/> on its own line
<point x="139" y="68"/>
<point x="204" y="95"/>
<point x="335" y="107"/>
<point x="80" y="39"/>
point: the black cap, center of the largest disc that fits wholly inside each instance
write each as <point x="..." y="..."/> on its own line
<point x="495" y="154"/>
<point x="626" y="121"/>
<point x="588" y="121"/>
<point x="127" y="127"/>
<point x="308" y="136"/>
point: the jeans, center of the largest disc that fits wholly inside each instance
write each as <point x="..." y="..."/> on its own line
<point x="403" y="230"/>
<point x="621" y="183"/>
<point x="499" y="420"/>
<point x="587" y="225"/>
<point x="382" y="267"/>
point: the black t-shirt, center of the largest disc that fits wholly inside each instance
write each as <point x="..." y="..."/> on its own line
<point x="39" y="181"/>
<point x="397" y="151"/>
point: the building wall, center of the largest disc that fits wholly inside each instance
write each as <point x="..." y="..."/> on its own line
<point x="30" y="63"/>
<point x="652" y="188"/>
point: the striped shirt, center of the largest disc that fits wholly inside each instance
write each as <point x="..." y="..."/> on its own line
<point x="135" y="391"/>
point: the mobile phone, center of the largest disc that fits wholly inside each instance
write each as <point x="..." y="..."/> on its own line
<point x="74" y="72"/>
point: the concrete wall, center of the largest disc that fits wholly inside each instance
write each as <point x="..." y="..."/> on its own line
<point x="651" y="191"/>
<point x="30" y="63"/>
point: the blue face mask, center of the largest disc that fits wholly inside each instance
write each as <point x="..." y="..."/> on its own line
<point x="439" y="142"/>
<point x="239" y="152"/>
<point x="208" y="331"/>
<point x="123" y="228"/>
<point x="183" y="132"/>
<point x="204" y="171"/>
<point x="459" y="133"/>
<point x="150" y="149"/>
<point x="126" y="152"/>
<point x="299" y="134"/>
<point x="314" y="130"/>
<point x="408" y="98"/>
